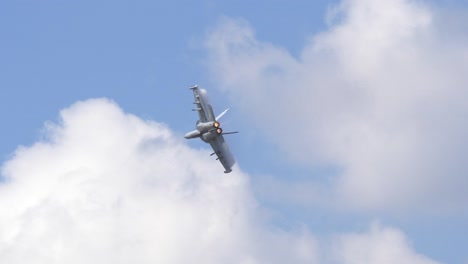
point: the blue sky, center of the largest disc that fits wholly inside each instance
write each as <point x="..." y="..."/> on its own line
<point x="144" y="55"/>
<point x="55" y="53"/>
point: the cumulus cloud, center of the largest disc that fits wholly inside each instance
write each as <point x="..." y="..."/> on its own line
<point x="104" y="186"/>
<point x="379" y="245"/>
<point x="379" y="95"/>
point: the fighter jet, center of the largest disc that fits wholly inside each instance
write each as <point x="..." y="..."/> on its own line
<point x="209" y="129"/>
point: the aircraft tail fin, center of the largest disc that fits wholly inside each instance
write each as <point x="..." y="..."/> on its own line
<point x="221" y="115"/>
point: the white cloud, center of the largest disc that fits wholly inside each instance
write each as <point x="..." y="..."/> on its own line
<point x="108" y="187"/>
<point x="379" y="245"/>
<point x="379" y="95"/>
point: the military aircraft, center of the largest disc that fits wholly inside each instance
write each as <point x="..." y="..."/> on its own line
<point x="209" y="130"/>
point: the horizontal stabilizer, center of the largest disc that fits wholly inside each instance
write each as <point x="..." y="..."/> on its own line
<point x="228" y="133"/>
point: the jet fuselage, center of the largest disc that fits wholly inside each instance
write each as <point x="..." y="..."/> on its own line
<point x="207" y="131"/>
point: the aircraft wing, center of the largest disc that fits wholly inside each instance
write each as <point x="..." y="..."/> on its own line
<point x="225" y="156"/>
<point x="205" y="111"/>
